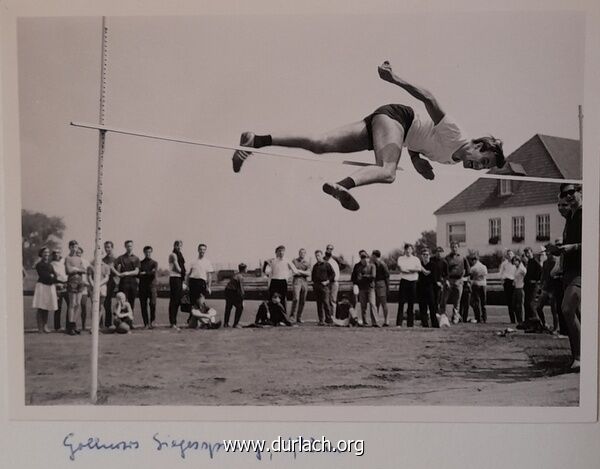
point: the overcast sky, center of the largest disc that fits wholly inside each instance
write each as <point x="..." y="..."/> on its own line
<point x="511" y="75"/>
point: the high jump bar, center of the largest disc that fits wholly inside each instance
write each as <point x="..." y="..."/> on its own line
<point x="186" y="141"/>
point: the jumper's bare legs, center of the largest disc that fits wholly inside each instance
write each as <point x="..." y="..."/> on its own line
<point x="388" y="136"/>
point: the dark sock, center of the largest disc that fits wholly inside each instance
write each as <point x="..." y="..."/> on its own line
<point x="262" y="141"/>
<point x="347" y="183"/>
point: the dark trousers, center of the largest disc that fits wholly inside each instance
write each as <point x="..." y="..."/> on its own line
<point x="407" y="294"/>
<point x="130" y="288"/>
<point x="197" y="288"/>
<point x="518" y="304"/>
<point x="148" y="297"/>
<point x="233" y="300"/>
<point x="440" y="297"/>
<point x="509" y="293"/>
<point x="465" y="301"/>
<point x="175" y="293"/>
<point x="530" y="291"/>
<point x="62" y="296"/>
<point x="111" y="286"/>
<point x="322" y="299"/>
<point x="428" y="301"/>
<point x="281" y="287"/>
<point x="478" y="300"/>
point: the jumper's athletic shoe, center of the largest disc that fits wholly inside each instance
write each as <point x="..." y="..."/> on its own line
<point x="342" y="194"/>
<point x="239" y="156"/>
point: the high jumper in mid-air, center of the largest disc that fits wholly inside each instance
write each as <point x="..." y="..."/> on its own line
<point x="386" y="131"/>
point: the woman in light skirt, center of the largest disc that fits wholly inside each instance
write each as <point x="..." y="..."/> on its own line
<point x="44" y="296"/>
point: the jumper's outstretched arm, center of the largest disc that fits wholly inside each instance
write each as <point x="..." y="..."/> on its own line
<point x="433" y="108"/>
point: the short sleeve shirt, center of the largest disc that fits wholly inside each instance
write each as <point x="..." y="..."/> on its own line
<point x="436" y="142"/>
<point x="200" y="268"/>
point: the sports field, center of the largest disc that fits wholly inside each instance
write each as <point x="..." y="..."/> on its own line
<point x="468" y="364"/>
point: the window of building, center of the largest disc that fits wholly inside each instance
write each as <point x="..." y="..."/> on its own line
<point x="518" y="229"/>
<point x="542" y="230"/>
<point x="495" y="229"/>
<point x="505" y="186"/>
<point x="457" y="232"/>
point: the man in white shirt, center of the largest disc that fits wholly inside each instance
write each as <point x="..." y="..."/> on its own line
<point x="478" y="274"/>
<point x="335" y="285"/>
<point x="386" y="131"/>
<point x="279" y="269"/>
<point x="507" y="275"/>
<point x="410" y="266"/>
<point x="200" y="275"/>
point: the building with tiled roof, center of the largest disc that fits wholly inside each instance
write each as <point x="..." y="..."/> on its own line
<point x="499" y="214"/>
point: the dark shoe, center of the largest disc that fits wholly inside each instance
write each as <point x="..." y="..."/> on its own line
<point x="239" y="156"/>
<point x="343" y="195"/>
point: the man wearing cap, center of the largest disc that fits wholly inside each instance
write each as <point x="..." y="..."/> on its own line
<point x="570" y="249"/>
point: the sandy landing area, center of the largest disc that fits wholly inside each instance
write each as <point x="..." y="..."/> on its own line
<point x="467" y="364"/>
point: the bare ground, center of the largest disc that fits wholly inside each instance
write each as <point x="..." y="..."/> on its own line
<point x="467" y="364"/>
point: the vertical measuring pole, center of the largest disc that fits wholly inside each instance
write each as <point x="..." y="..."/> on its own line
<point x="99" y="197"/>
<point x="581" y="139"/>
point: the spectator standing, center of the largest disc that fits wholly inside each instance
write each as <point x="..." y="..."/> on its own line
<point x="365" y="279"/>
<point x="44" y="296"/>
<point x="279" y="270"/>
<point x="148" y="287"/>
<point x="426" y="285"/>
<point x="519" y="283"/>
<point x="335" y="285"/>
<point x="234" y="296"/>
<point x="104" y="276"/>
<point x="410" y="266"/>
<point x="354" y="276"/>
<point x="531" y="288"/>
<point x="75" y="270"/>
<point x="300" y="285"/>
<point x="547" y="295"/>
<point x="570" y="249"/>
<point x="200" y="275"/>
<point x="322" y="275"/>
<point x="507" y="275"/>
<point x="111" y="287"/>
<point x="58" y="264"/>
<point x="442" y="284"/>
<point x="382" y="284"/>
<point x="479" y="274"/>
<point x="177" y="273"/>
<point x="458" y="270"/>
<point x="128" y="267"/>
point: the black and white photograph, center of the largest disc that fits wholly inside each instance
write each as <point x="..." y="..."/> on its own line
<point x="311" y="233"/>
<point x="281" y="211"/>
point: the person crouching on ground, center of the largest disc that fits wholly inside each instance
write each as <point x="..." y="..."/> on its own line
<point x="123" y="314"/>
<point x="345" y="314"/>
<point x="271" y="313"/>
<point x="234" y="296"/>
<point x="203" y="316"/>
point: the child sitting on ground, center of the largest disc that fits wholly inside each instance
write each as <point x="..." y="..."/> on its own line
<point x="203" y="316"/>
<point x="345" y="314"/>
<point x="123" y="314"/>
